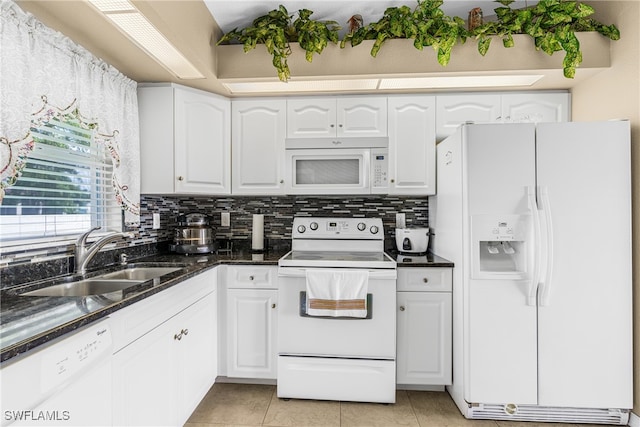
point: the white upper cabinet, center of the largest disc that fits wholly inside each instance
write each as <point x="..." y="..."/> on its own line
<point x="454" y="110"/>
<point x="536" y="107"/>
<point x="337" y="117"/>
<point x="412" y="145"/>
<point x="185" y="140"/>
<point x="532" y="107"/>
<point x="258" y="129"/>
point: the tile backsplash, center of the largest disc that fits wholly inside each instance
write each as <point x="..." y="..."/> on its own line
<point x="278" y="219"/>
<point x="278" y="213"/>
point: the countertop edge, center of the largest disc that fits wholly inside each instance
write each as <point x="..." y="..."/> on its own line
<point x="13" y="352"/>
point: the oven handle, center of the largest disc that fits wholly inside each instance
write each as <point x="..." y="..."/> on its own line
<point x="387" y="273"/>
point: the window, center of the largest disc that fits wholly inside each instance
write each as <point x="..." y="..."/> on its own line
<point x="64" y="189"/>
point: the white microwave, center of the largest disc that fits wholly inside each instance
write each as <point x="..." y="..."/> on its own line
<point x="327" y="166"/>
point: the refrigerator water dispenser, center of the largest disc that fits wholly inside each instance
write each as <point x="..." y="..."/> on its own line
<point x="500" y="246"/>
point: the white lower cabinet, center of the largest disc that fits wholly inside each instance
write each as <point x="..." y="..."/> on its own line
<point x="160" y="377"/>
<point x="424" y="327"/>
<point x="251" y="322"/>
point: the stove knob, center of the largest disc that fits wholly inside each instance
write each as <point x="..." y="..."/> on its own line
<point x="301" y="229"/>
<point x="374" y="229"/>
<point x="362" y="226"/>
<point x="313" y="226"/>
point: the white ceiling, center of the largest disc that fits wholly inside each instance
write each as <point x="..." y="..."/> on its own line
<point x="240" y="13"/>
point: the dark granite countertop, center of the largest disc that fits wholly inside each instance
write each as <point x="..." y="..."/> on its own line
<point x="428" y="260"/>
<point x="28" y="322"/>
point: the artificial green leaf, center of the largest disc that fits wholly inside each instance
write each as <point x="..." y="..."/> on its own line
<point x="483" y="45"/>
<point x="585" y="10"/>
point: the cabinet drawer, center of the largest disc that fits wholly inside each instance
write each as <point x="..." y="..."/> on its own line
<point x="431" y="279"/>
<point x="132" y="322"/>
<point x="252" y="277"/>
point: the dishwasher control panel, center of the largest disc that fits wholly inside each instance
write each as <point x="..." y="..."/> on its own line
<point x="75" y="354"/>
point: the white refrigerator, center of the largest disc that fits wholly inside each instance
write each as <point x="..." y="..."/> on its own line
<point x="537" y="219"/>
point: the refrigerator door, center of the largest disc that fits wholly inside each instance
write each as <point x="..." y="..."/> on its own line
<point x="501" y="352"/>
<point x="585" y="338"/>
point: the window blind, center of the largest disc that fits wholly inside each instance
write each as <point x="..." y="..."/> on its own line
<point x="65" y="188"/>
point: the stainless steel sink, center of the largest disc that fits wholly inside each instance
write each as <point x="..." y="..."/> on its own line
<point x="105" y="283"/>
<point x="138" y="273"/>
<point x="84" y="288"/>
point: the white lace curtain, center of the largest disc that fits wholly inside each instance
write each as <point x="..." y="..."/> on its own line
<point x="42" y="74"/>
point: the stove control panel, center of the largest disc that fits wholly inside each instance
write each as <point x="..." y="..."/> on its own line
<point x="337" y="228"/>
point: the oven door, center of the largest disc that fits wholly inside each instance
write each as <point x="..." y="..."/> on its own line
<point x="328" y="171"/>
<point x="373" y="337"/>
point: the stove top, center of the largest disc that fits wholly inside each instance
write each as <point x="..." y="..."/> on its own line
<point x="337" y="242"/>
<point x="337" y="259"/>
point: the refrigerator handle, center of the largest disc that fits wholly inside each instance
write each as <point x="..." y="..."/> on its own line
<point x="533" y="285"/>
<point x="545" y="286"/>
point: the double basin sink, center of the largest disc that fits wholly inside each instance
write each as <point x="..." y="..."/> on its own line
<point x="117" y="281"/>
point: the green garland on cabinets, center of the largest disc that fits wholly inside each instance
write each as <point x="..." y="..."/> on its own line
<point x="551" y="23"/>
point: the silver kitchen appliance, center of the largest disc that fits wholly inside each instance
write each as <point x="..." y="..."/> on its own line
<point x="337" y="357"/>
<point x="412" y="240"/>
<point x="194" y="235"/>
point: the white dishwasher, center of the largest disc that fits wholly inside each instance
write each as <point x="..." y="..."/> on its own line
<point x="66" y="383"/>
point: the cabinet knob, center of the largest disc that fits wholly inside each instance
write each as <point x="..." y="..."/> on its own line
<point x="425" y="280"/>
<point x="402" y="308"/>
<point x="282" y="181"/>
<point x="339" y="126"/>
<point x="273" y="305"/>
<point x="392" y="180"/>
<point x="185" y="331"/>
<point x="251" y="278"/>
<point x="332" y="125"/>
<point x="180" y="178"/>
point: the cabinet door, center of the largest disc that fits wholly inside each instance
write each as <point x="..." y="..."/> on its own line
<point x="311" y="117"/>
<point x="251" y="333"/>
<point x="202" y="145"/>
<point x="144" y="381"/>
<point x="197" y="354"/>
<point x="258" y="146"/>
<point x="412" y="145"/>
<point x="535" y="108"/>
<point x="364" y="117"/>
<point x="454" y="110"/>
<point x="424" y="338"/>
<point x="155" y="111"/>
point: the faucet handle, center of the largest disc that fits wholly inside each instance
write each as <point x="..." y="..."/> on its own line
<point x="83" y="237"/>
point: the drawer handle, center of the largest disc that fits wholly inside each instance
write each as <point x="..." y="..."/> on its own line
<point x="425" y="280"/>
<point x="179" y="336"/>
<point x="402" y="308"/>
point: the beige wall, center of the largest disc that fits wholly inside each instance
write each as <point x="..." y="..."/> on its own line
<point x="615" y="93"/>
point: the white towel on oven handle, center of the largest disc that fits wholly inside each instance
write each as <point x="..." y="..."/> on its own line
<point x="337" y="292"/>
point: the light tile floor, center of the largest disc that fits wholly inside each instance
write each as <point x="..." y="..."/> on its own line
<point x="258" y="405"/>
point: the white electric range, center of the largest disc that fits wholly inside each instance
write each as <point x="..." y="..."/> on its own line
<point x="334" y="357"/>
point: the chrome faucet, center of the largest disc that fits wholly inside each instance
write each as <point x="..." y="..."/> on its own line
<point x="84" y="254"/>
